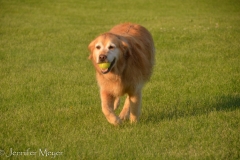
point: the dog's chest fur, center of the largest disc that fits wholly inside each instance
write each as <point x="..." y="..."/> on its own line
<point x="115" y="85"/>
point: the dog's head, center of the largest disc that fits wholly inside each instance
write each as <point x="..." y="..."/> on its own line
<point x="108" y="48"/>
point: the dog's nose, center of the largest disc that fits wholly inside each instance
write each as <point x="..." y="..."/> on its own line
<point x="102" y="57"/>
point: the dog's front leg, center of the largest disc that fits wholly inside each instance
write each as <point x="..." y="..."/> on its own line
<point x="108" y="108"/>
<point x="135" y="106"/>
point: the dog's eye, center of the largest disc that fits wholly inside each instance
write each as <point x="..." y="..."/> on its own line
<point x="111" y="47"/>
<point x="98" y="47"/>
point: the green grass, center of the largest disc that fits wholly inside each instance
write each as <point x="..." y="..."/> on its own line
<point x="49" y="98"/>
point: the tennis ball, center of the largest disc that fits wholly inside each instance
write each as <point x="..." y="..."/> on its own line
<point x="104" y="65"/>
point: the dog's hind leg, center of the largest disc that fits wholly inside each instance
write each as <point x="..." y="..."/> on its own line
<point x="124" y="115"/>
<point x="116" y="102"/>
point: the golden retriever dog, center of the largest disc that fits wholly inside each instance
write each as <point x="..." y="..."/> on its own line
<point x="129" y="50"/>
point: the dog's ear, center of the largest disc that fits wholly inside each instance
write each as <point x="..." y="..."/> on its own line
<point x="90" y="56"/>
<point x="90" y="48"/>
<point x="125" y="45"/>
<point x="126" y="48"/>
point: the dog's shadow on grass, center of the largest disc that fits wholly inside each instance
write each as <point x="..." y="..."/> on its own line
<point x="224" y="103"/>
<point x="228" y="103"/>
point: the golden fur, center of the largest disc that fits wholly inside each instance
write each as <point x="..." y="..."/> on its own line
<point x="130" y="50"/>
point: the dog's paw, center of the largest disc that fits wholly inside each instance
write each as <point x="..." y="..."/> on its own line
<point x="116" y="121"/>
<point x="124" y="116"/>
<point x="133" y="119"/>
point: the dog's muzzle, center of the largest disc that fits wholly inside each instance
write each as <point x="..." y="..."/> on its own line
<point x="105" y="71"/>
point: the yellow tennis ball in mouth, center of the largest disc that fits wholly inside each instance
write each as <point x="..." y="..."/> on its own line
<point x="104" y="65"/>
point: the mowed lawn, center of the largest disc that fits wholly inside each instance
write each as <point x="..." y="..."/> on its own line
<point x="49" y="99"/>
